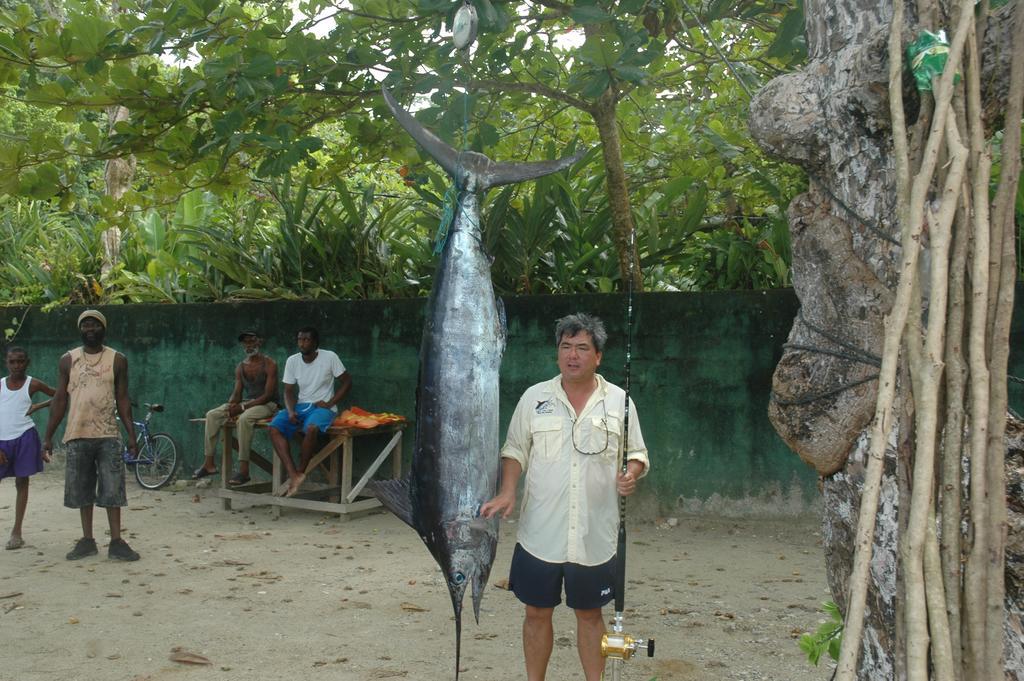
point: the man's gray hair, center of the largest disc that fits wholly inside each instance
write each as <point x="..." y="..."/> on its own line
<point x="570" y="325"/>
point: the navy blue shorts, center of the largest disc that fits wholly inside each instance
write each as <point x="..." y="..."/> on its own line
<point x="539" y="583"/>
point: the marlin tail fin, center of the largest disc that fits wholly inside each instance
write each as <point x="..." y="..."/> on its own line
<point x="472" y="170"/>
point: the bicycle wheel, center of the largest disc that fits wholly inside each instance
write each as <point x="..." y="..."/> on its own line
<point x="157" y="462"/>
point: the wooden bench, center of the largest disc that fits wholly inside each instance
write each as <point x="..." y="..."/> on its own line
<point x="335" y="459"/>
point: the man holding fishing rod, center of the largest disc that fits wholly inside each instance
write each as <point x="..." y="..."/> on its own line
<point x="566" y="435"/>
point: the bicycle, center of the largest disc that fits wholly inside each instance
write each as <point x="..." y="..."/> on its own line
<point x="156" y="454"/>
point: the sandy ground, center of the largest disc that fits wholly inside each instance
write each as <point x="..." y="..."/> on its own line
<point x="313" y="597"/>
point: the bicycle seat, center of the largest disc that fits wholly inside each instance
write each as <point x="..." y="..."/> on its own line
<point x="155" y="407"/>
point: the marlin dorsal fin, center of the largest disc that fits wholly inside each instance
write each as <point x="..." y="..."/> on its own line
<point x="472" y="170"/>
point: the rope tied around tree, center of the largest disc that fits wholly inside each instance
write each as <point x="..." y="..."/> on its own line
<point x="849" y="353"/>
<point x="875" y="229"/>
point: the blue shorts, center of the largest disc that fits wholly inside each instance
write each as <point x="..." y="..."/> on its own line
<point x="23" y="454"/>
<point x="309" y="415"/>
<point x="539" y="583"/>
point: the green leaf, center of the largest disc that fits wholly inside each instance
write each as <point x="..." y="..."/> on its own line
<point x="631" y="73"/>
<point x="694" y="213"/>
<point x="790" y="42"/>
<point x="90" y="131"/>
<point x="674" y="189"/>
<point x="11" y="47"/>
<point x="156" y="43"/>
<point x="229" y="122"/>
<point x="261" y="65"/>
<point x="67" y="114"/>
<point x="435" y="6"/>
<point x="88" y="33"/>
<point x="595" y="86"/>
<point x="718" y="9"/>
<point x="587" y="13"/>
<point x="43" y="182"/>
<point x="600" y="49"/>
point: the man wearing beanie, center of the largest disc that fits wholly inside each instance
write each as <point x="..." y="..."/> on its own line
<point x="93" y="384"/>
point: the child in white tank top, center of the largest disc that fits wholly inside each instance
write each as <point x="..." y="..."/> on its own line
<point x="21" y="453"/>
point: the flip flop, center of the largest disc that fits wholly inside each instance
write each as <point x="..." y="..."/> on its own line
<point x="238" y="479"/>
<point x="200" y="473"/>
<point x="14" y="543"/>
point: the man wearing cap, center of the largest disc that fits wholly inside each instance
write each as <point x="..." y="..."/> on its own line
<point x="256" y="379"/>
<point x="92" y="385"/>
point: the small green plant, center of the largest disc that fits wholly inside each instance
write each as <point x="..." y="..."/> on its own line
<point x="11" y="331"/>
<point x="828" y="637"/>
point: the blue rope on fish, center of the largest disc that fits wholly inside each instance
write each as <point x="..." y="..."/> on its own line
<point x="453" y="194"/>
<point x="451" y="198"/>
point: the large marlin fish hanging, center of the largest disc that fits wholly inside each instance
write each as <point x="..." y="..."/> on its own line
<point x="455" y="457"/>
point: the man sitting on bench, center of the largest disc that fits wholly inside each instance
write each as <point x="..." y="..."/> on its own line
<point x="310" y="402"/>
<point x="256" y="377"/>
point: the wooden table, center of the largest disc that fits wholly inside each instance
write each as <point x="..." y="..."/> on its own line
<point x="335" y="459"/>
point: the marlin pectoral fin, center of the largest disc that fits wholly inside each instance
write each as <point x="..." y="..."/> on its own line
<point x="394" y="494"/>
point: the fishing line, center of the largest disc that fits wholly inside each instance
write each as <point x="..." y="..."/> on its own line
<point x="463" y="34"/>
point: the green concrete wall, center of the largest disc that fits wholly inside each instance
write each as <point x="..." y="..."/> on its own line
<point x="701" y="373"/>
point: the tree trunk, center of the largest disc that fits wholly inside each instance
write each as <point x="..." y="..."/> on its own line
<point x="118" y="175"/>
<point x="833" y="119"/>
<point x="604" y="117"/>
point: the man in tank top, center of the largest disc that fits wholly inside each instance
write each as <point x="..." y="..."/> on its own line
<point x="254" y="397"/>
<point x="20" y="450"/>
<point x="92" y="386"/>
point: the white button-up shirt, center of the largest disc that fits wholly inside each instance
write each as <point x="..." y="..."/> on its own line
<point x="570" y="507"/>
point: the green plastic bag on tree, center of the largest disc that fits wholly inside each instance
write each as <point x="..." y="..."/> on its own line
<point x="927" y="56"/>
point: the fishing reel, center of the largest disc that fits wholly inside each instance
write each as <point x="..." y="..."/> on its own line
<point x="618" y="645"/>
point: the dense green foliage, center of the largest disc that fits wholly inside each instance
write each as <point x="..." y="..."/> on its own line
<point x="269" y="167"/>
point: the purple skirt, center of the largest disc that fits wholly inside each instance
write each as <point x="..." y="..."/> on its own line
<point x="24" y="455"/>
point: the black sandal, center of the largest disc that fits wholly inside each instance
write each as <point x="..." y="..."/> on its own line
<point x="238" y="479"/>
<point x="200" y="473"/>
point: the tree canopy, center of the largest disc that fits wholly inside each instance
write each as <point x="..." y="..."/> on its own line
<point x="257" y="130"/>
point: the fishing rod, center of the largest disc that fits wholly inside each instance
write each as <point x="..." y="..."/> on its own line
<point x="617" y="645"/>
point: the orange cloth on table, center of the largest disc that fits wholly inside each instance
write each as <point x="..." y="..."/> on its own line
<point x="356" y="417"/>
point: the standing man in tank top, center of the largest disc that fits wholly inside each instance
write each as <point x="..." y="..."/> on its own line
<point x="254" y="397"/>
<point x="92" y="386"/>
<point x="20" y="450"/>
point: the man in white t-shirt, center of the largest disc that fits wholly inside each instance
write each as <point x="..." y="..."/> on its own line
<point x="310" y="402"/>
